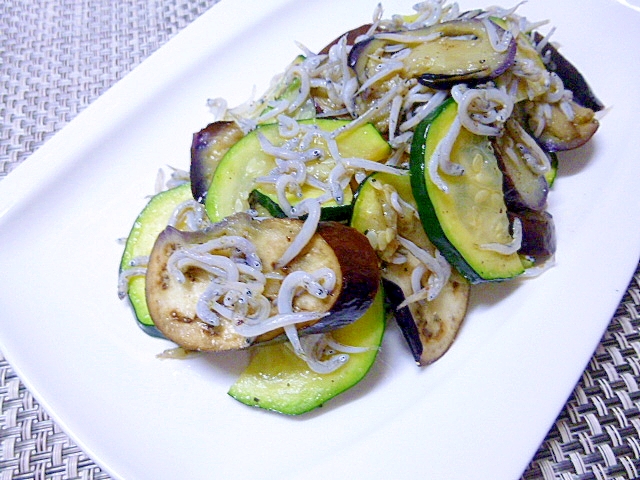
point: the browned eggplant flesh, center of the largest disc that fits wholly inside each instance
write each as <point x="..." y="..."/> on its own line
<point x="428" y="298"/>
<point x="439" y="56"/>
<point x="524" y="167"/>
<point x="561" y="126"/>
<point x="222" y="288"/>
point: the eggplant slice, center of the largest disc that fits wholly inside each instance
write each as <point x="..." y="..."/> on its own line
<point x="538" y="234"/>
<point x="524" y="167"/>
<point x="559" y="132"/>
<point x="173" y="302"/>
<point x="428" y="326"/>
<point x="208" y="147"/>
<point x="350" y="37"/>
<point x="444" y="54"/>
<point x="571" y="77"/>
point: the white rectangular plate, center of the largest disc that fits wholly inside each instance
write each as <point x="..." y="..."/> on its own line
<point x="480" y="412"/>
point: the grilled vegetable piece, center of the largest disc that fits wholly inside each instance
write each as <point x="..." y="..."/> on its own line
<point x="150" y="222"/>
<point x="428" y="326"/>
<point x="538" y="234"/>
<point x="336" y="213"/>
<point x="459" y="51"/>
<point x="554" y="129"/>
<point x="428" y="334"/>
<point x="173" y="303"/>
<point x="365" y="57"/>
<point x="208" y="147"/>
<point x="559" y="132"/>
<point x="287" y="89"/>
<point x="525" y="167"/>
<point x="571" y="77"/>
<point x="236" y="175"/>
<point x="351" y="37"/>
<point x="534" y="83"/>
<point x="276" y="379"/>
<point x="469" y="219"/>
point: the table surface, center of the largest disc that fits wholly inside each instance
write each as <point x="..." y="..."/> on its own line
<point x="57" y="56"/>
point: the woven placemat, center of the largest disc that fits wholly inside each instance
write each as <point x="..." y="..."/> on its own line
<point x="58" y="56"/>
<point x="597" y="435"/>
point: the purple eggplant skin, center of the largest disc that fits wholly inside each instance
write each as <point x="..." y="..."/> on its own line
<point x="491" y="65"/>
<point x="538" y="233"/>
<point x="208" y="147"/>
<point x="523" y="188"/>
<point x="571" y="77"/>
<point x="435" y="63"/>
<point x="360" y="54"/>
<point x="404" y="318"/>
<point x="352" y="37"/>
<point x="559" y="132"/>
<point x="516" y="196"/>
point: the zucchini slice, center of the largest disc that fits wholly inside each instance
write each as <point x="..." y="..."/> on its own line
<point x="331" y="211"/>
<point x="150" y="222"/>
<point x="287" y="89"/>
<point x="276" y="379"/>
<point x="235" y="177"/>
<point x="471" y="216"/>
<point x="429" y="326"/>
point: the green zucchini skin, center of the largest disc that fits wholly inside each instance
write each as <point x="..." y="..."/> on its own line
<point x="337" y="213"/>
<point x="417" y="172"/>
<point x="150" y="222"/>
<point x="277" y="380"/>
<point x="552" y="174"/>
<point x="430" y="327"/>
<point x="433" y="224"/>
<point x="234" y="178"/>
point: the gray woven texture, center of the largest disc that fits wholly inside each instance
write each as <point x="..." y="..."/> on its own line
<point x="57" y="56"/>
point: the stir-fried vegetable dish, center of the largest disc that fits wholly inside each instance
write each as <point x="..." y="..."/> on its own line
<point x="376" y="181"/>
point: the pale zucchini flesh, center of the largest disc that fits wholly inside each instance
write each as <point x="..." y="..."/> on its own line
<point x="472" y="214"/>
<point x="234" y="179"/>
<point x="276" y="379"/>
